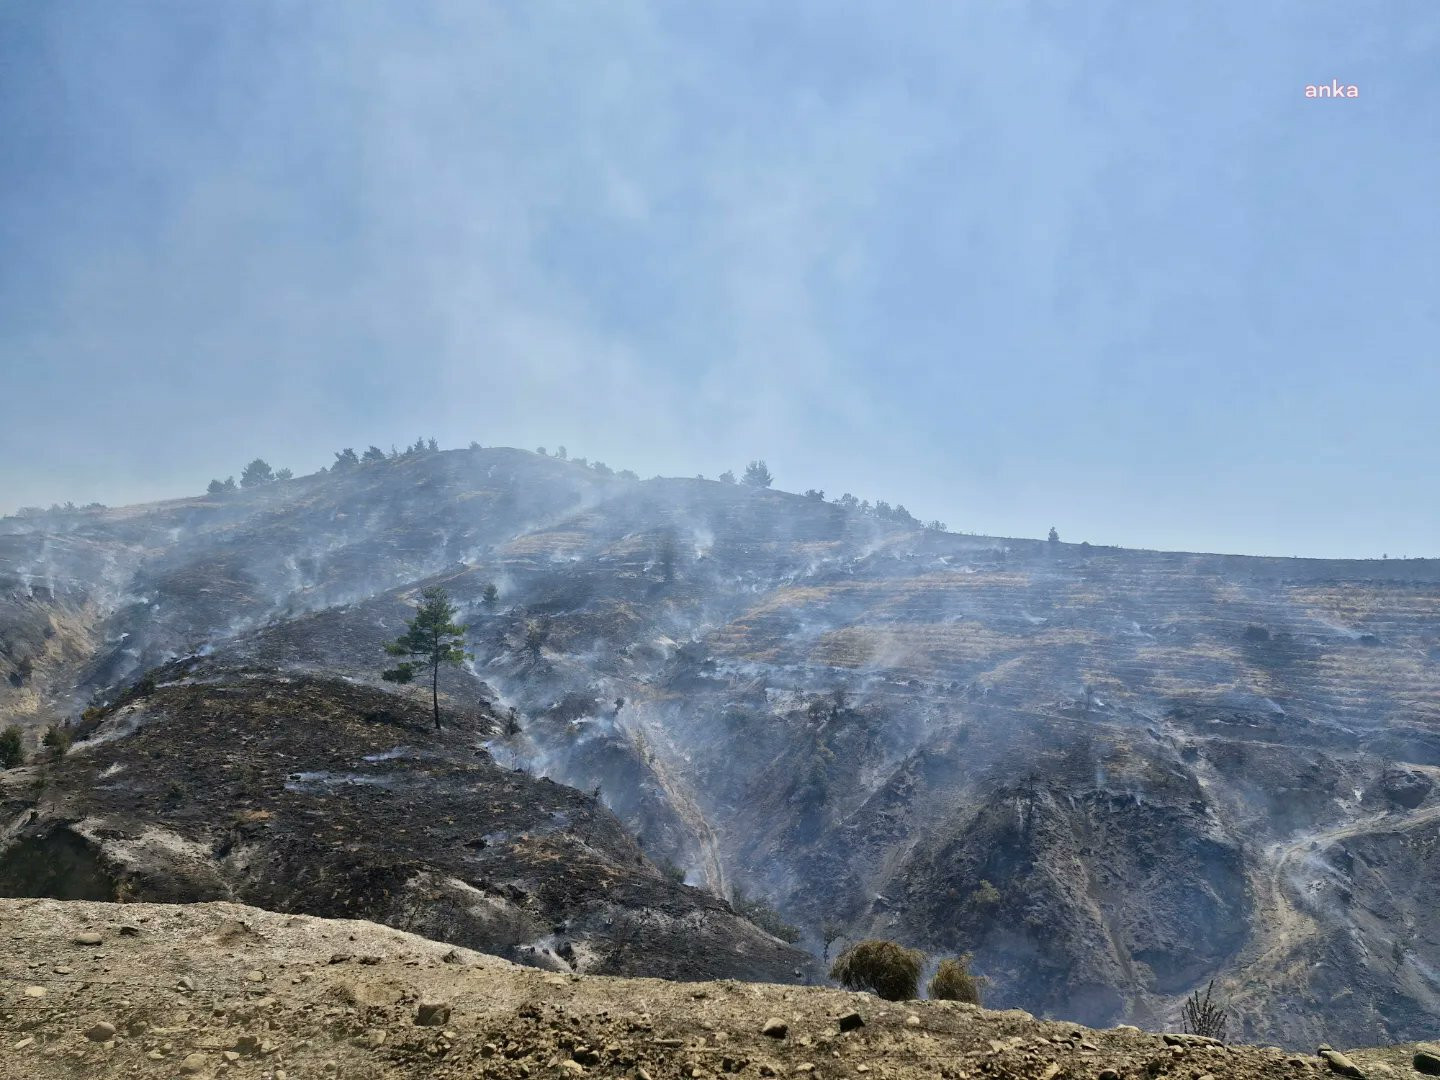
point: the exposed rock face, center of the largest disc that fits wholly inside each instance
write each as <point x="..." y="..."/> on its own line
<point x="1105" y="880"/>
<point x="1112" y="775"/>
<point x="1406" y="788"/>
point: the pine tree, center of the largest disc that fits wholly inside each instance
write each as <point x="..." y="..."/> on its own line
<point x="257" y="472"/>
<point x="757" y="475"/>
<point x="491" y="596"/>
<point x="12" y="749"/>
<point x="433" y="638"/>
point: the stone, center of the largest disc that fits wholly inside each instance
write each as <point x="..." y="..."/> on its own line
<point x="1184" y="1038"/>
<point x="489" y="1050"/>
<point x="1427" y="1063"/>
<point x="35" y="991"/>
<point x="101" y="1032"/>
<point x="193" y="1063"/>
<point x="230" y="1055"/>
<point x="129" y="930"/>
<point x="373" y="1039"/>
<point x="912" y="1020"/>
<point x="185" y="983"/>
<point x="24" y="1044"/>
<point x="432" y="1014"/>
<point x="571" y="1067"/>
<point x="775" y="1028"/>
<point x="1050" y="1071"/>
<point x="1405" y="788"/>
<point x="88" y="938"/>
<point x="850" y="1021"/>
<point x="1341" y="1064"/>
<point x="641" y="1074"/>
<point x="247" y="1044"/>
<point x="255" y="976"/>
<point x="1108" y="1074"/>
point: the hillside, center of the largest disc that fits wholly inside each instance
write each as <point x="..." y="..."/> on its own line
<point x="1113" y="775"/>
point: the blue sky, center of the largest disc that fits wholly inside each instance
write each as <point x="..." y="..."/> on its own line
<point x="1097" y="265"/>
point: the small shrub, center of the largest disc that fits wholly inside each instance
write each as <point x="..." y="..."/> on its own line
<point x="1206" y="1016"/>
<point x="953" y="982"/>
<point x="764" y="916"/>
<point x="671" y="870"/>
<point x="57" y="740"/>
<point x="12" y="750"/>
<point x="890" y="970"/>
<point x="984" y="898"/>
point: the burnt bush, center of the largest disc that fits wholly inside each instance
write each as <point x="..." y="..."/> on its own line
<point x="954" y="982"/>
<point x="890" y="970"/>
<point x="1206" y="1016"/>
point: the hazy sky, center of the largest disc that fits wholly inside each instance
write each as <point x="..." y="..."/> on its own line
<point x="1099" y="265"/>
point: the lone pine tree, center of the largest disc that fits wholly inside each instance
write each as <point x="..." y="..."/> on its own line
<point x="431" y="638"/>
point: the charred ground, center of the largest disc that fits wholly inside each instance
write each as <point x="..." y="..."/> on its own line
<point x="314" y="795"/>
<point x="1154" y="769"/>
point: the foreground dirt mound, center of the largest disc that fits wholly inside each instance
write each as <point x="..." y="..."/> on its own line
<point x="97" y="990"/>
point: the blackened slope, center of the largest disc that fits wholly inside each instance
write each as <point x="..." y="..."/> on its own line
<point x="323" y="797"/>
